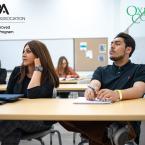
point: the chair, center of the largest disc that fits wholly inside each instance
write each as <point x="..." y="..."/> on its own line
<point x="83" y="140"/>
<point x="142" y="133"/>
<point x="117" y="133"/>
<point x="39" y="135"/>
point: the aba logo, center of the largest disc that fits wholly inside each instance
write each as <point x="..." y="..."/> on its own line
<point x="3" y="9"/>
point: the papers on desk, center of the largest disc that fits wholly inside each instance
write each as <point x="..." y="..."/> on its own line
<point x="83" y="100"/>
<point x="67" y="79"/>
<point x="61" y="79"/>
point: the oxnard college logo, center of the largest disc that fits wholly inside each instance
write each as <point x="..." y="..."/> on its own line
<point x="137" y="14"/>
<point x="3" y="9"/>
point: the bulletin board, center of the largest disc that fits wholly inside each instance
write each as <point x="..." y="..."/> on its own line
<point x="90" y="53"/>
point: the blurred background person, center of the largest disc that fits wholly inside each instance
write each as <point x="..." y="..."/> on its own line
<point x="64" y="72"/>
<point x="3" y="75"/>
<point x="63" y="69"/>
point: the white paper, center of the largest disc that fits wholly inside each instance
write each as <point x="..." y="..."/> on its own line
<point x="89" y="54"/>
<point x="83" y="100"/>
<point x="61" y="79"/>
<point x="83" y="46"/>
<point x="69" y="79"/>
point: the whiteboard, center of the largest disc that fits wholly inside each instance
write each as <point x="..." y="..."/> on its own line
<point x="11" y="51"/>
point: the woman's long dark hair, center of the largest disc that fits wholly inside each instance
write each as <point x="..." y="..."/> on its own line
<point x="60" y="70"/>
<point x="40" y="50"/>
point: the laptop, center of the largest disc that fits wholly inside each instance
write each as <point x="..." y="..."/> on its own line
<point x="5" y="98"/>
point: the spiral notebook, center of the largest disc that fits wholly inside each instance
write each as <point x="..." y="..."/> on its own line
<point x="83" y="100"/>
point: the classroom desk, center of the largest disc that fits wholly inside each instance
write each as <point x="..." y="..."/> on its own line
<point x="71" y="87"/>
<point x="73" y="80"/>
<point x="61" y="88"/>
<point x="64" y="109"/>
<point x="3" y="87"/>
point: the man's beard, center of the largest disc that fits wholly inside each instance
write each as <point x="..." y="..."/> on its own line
<point x="117" y="58"/>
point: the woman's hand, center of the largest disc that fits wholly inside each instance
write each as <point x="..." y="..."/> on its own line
<point x="37" y="62"/>
<point x="68" y="76"/>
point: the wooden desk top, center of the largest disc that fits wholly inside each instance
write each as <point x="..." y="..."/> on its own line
<point x="64" y="109"/>
<point x="71" y="87"/>
<point x="61" y="88"/>
<point x="73" y="80"/>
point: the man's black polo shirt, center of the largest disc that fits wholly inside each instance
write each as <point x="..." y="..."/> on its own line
<point x="114" y="77"/>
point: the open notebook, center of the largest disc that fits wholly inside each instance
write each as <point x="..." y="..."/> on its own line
<point x="83" y="100"/>
<point x="4" y="98"/>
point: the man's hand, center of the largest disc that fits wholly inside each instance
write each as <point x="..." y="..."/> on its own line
<point x="90" y="94"/>
<point x="92" y="90"/>
<point x="106" y="94"/>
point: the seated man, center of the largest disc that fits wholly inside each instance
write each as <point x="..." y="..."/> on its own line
<point x="121" y="81"/>
<point x="3" y="75"/>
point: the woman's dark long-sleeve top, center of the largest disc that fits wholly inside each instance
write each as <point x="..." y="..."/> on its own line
<point x="14" y="87"/>
<point x="3" y="75"/>
<point x="8" y="128"/>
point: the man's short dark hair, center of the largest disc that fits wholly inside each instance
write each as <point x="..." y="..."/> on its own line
<point x="129" y="41"/>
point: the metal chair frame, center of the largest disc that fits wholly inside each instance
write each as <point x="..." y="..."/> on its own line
<point x="117" y="134"/>
<point x="39" y="136"/>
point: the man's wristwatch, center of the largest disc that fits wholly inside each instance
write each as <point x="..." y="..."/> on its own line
<point x="39" y="68"/>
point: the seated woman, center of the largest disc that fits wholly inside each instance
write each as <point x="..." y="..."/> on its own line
<point x="35" y="78"/>
<point x="3" y="76"/>
<point x="64" y="71"/>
